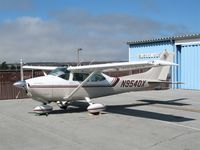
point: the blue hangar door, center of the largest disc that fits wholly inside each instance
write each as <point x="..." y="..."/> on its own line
<point x="190" y="67"/>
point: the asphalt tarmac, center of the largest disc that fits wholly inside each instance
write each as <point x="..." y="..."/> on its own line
<point x="153" y="120"/>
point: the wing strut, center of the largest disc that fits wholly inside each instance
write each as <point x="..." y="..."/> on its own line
<point x="81" y="85"/>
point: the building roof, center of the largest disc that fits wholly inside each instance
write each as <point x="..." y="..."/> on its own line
<point x="165" y="39"/>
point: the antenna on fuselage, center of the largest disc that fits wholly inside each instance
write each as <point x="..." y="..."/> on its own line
<point x="92" y="61"/>
<point x="79" y="63"/>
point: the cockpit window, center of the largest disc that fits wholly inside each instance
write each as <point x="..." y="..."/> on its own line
<point x="80" y="76"/>
<point x="97" y="77"/>
<point x="83" y="76"/>
<point x="61" y="72"/>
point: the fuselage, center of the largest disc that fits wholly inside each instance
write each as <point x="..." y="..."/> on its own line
<point x="52" y="88"/>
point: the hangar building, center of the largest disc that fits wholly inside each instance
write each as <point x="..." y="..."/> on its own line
<point x="187" y="54"/>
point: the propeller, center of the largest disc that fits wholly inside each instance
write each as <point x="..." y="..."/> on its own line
<point x="20" y="84"/>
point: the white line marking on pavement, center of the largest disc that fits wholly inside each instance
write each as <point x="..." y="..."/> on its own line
<point x="180" y="125"/>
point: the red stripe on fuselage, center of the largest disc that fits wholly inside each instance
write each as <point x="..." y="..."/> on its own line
<point x="115" y="83"/>
<point x="116" y="80"/>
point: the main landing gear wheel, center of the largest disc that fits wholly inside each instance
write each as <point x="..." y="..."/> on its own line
<point x="94" y="108"/>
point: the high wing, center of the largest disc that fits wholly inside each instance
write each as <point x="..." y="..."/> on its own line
<point x="117" y="66"/>
<point x="108" y="66"/>
<point x="39" y="67"/>
<point x="92" y="69"/>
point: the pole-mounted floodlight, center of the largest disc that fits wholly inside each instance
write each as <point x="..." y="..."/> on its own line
<point x="21" y="70"/>
<point x="78" y="57"/>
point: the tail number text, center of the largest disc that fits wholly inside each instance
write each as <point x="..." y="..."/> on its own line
<point x="133" y="83"/>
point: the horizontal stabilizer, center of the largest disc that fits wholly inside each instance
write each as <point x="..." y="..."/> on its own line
<point x="168" y="82"/>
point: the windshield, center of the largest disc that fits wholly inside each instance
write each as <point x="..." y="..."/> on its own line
<point x="61" y="72"/>
<point x="97" y="77"/>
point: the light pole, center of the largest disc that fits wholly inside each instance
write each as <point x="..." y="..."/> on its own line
<point x="78" y="57"/>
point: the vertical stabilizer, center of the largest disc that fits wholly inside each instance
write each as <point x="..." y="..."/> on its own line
<point x="157" y="73"/>
<point x="166" y="69"/>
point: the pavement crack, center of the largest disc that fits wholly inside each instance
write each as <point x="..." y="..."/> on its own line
<point x="170" y="139"/>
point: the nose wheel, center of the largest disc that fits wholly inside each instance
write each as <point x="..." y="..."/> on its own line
<point x="43" y="109"/>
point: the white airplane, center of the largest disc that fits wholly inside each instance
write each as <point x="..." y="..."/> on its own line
<point x="66" y="84"/>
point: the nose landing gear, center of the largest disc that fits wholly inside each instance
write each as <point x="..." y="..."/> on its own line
<point x="43" y="109"/>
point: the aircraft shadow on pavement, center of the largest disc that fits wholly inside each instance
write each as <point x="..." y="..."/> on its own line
<point x="75" y="107"/>
<point x="128" y="109"/>
<point x="174" y="102"/>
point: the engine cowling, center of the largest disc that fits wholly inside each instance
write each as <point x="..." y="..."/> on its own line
<point x="95" y="108"/>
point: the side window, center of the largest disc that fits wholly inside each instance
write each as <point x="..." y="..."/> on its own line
<point x="65" y="76"/>
<point x="80" y="76"/>
<point x="97" y="77"/>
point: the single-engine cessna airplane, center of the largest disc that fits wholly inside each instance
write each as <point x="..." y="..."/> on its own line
<point x="66" y="84"/>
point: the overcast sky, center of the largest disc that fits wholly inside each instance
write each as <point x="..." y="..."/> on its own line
<point x="52" y="30"/>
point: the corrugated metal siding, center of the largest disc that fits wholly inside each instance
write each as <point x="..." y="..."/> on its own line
<point x="134" y="51"/>
<point x="178" y="69"/>
<point x="190" y="67"/>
